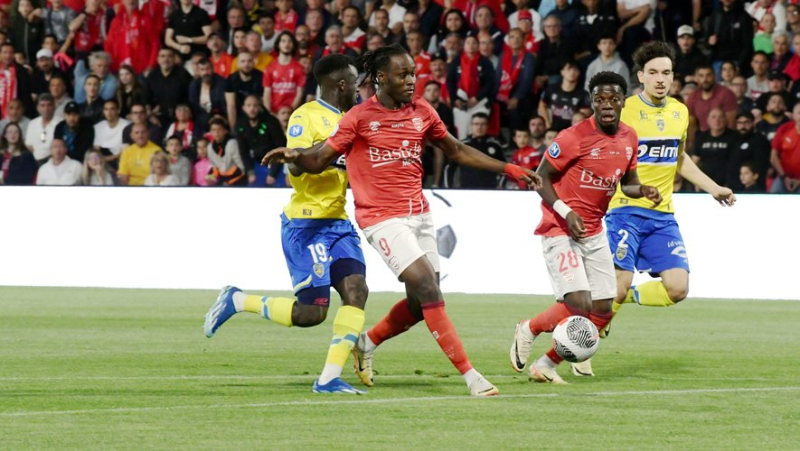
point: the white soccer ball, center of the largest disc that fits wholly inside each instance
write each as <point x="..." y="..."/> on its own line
<point x="576" y="339"/>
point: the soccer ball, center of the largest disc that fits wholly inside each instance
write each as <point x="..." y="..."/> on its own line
<point x="576" y="339"/>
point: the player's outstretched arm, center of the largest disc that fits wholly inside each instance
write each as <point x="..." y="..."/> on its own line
<point x="633" y="188"/>
<point x="312" y="160"/>
<point x="689" y="170"/>
<point x="470" y="156"/>
<point x="546" y="172"/>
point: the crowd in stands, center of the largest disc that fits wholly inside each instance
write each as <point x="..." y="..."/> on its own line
<point x="195" y="92"/>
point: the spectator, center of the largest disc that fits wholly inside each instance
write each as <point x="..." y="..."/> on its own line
<point x="470" y="9"/>
<point x="40" y="131"/>
<point x="780" y="54"/>
<point x="221" y="60"/>
<point x="201" y="171"/>
<point x="688" y="56"/>
<point x="58" y="89"/>
<point x="188" y="29"/>
<point x="18" y="165"/>
<point x="60" y="169"/>
<point x="108" y="132"/>
<point x="253" y="10"/>
<point x="608" y="60"/>
<point x="525" y="155"/>
<point x="95" y="171"/>
<point x="549" y="137"/>
<point x="14" y="74"/>
<point x="515" y="75"/>
<point x="235" y="20"/>
<point x="159" y="171"/>
<point x="354" y="37"/>
<point x="206" y="96"/>
<point x="134" y="164"/>
<point x="485" y="23"/>
<point x="92" y="108"/>
<point x="76" y="131"/>
<point x="739" y="88"/>
<point x="453" y="46"/>
<point x="99" y="65"/>
<point x="727" y="71"/>
<point x="560" y="102"/>
<point x="130" y="91"/>
<point x="729" y="34"/>
<point x="554" y="51"/>
<point x="709" y="96"/>
<point x="167" y="86"/>
<point x="139" y="117"/>
<point x="454" y="22"/>
<point x="569" y="14"/>
<point x="762" y="41"/>
<point x="334" y="44"/>
<point x="224" y="154"/>
<point x="750" y="179"/>
<point x="792" y="68"/>
<point x="286" y="18"/>
<point x="305" y="47"/>
<point x="365" y="88"/>
<point x="179" y="165"/>
<point x="475" y="178"/>
<point x="595" y="21"/>
<point x="757" y="83"/>
<point x="471" y="81"/>
<point x="486" y="49"/>
<point x="535" y="18"/>
<point x="775" y="116"/>
<point x="247" y="80"/>
<point x="316" y="26"/>
<point x="261" y="60"/>
<point x="422" y="61"/>
<point x="26" y="30"/>
<point x="410" y="25"/>
<point x="430" y="15"/>
<point x="714" y="148"/>
<point x="16" y="113"/>
<point x="439" y="75"/>
<point x="759" y="8"/>
<point x="266" y="28"/>
<point x="183" y="128"/>
<point x="285" y="79"/>
<point x="56" y="20"/>
<point x="433" y="158"/>
<point x="258" y="132"/>
<point x="394" y="13"/>
<point x="785" y="157"/>
<point x="90" y="29"/>
<point x="792" y="19"/>
<point x="532" y="42"/>
<point x="536" y="129"/>
<point x="776" y="84"/>
<point x="636" y="17"/>
<point x="44" y="72"/>
<point x="754" y="148"/>
<point x="129" y="40"/>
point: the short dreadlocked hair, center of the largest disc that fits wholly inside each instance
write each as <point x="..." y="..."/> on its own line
<point x="378" y="60"/>
<point x="331" y="64"/>
<point x="608" y="78"/>
<point x="650" y="51"/>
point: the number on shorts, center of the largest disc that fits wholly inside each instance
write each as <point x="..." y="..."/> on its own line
<point x="385" y="247"/>
<point x="318" y="252"/>
<point x="624" y="234"/>
<point x="568" y="257"/>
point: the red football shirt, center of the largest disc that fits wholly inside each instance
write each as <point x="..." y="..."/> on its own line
<point x="284" y="80"/>
<point x="222" y="66"/>
<point x="787" y="143"/>
<point x="384" y="150"/>
<point x="590" y="164"/>
<point x="286" y="21"/>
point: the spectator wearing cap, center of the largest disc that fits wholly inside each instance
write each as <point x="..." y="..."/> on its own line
<point x="560" y="102"/>
<point x="45" y="69"/>
<point x="709" y="96"/>
<point x="515" y="75"/>
<point x="76" y="131"/>
<point x="714" y="147"/>
<point x="759" y="8"/>
<point x="13" y="74"/>
<point x="757" y="83"/>
<point x="776" y="84"/>
<point x="554" y="51"/>
<point x="167" y="86"/>
<point x="688" y="56"/>
<point x="472" y="83"/>
<point x="774" y="116"/>
<point x="535" y="17"/>
<point x="729" y="34"/>
<point x="92" y="108"/>
<point x="753" y="147"/>
<point x="39" y="134"/>
<point x="220" y="60"/>
<point x="56" y="19"/>
<point x="188" y="29"/>
<point x="134" y="163"/>
<point x="99" y="65"/>
<point x="780" y="51"/>
<point x="206" y="95"/>
<point x="792" y="69"/>
<point x="59" y="170"/>
<point x="130" y="41"/>
<point x="785" y="156"/>
<point x="16" y="113"/>
<point x="637" y="24"/>
<point x="430" y="15"/>
<point x="607" y="61"/>
<point x="530" y="37"/>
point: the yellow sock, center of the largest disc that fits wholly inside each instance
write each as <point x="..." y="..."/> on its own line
<point x="653" y="294"/>
<point x="615" y="308"/>
<point x="254" y="304"/>
<point x="277" y="310"/>
<point x="347" y="326"/>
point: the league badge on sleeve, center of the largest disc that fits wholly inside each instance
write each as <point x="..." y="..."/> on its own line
<point x="295" y="131"/>
<point x="554" y="150"/>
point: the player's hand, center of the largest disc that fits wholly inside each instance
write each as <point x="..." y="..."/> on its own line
<point x="790" y="183"/>
<point x="515" y="172"/>
<point x="724" y="196"/>
<point x="576" y="228"/>
<point x="651" y="192"/>
<point x="280" y="155"/>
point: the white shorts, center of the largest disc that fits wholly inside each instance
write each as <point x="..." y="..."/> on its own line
<point x="585" y="266"/>
<point x="401" y="241"/>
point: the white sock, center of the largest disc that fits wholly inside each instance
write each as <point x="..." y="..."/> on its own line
<point x="329" y="372"/>
<point x="365" y="343"/>
<point x="471" y="376"/>
<point x="546" y="360"/>
<point x="238" y="301"/>
<point x="526" y="329"/>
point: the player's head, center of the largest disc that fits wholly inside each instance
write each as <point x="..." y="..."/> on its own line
<point x="393" y="71"/>
<point x="607" y="91"/>
<point x="655" y="60"/>
<point x="336" y="76"/>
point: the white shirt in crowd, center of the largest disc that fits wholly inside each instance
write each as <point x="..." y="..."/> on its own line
<point x="513" y="22"/>
<point x="396" y="13"/>
<point x="170" y="180"/>
<point x="23" y="125"/>
<point x="67" y="173"/>
<point x="110" y="138"/>
<point x="40" y="138"/>
<point x="61" y="104"/>
<point x="756" y="88"/>
<point x="650" y="24"/>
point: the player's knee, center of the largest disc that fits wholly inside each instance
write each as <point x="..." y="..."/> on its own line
<point x="309" y="315"/>
<point x="677" y="294"/>
<point x="622" y="293"/>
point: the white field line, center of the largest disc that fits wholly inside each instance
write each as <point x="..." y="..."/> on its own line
<point x="396" y="401"/>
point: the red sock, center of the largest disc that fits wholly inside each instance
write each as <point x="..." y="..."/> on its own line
<point x="600" y="319"/>
<point x="554" y="356"/>
<point x="445" y="334"/>
<point x="549" y="319"/>
<point x="398" y="320"/>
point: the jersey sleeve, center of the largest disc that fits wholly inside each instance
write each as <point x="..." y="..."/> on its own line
<point x="299" y="133"/>
<point x="633" y="143"/>
<point x="437" y="130"/>
<point x="344" y="133"/>
<point x="565" y="149"/>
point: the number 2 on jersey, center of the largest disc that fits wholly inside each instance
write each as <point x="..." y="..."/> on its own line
<point x="568" y="257"/>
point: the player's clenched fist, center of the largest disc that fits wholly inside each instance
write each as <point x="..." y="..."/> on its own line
<point x="576" y="228"/>
<point x="651" y="192"/>
<point x="280" y="155"/>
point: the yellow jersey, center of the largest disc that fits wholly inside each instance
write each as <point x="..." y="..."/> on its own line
<point x="135" y="162"/>
<point x="316" y="196"/>
<point x="662" y="134"/>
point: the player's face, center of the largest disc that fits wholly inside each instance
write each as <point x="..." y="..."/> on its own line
<point x="348" y="89"/>
<point x="400" y="79"/>
<point x="657" y="78"/>
<point x="607" y="102"/>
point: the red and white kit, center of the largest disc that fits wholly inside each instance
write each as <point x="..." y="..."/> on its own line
<point x="590" y="164"/>
<point x="384" y="162"/>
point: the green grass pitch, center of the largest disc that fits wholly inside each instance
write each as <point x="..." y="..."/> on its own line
<point x="131" y="369"/>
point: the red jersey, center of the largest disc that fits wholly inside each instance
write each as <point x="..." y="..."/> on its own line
<point x="356" y="40"/>
<point x="222" y="65"/>
<point x="284" y="81"/>
<point x="590" y="164"/>
<point x="527" y="157"/>
<point x="384" y="150"/>
<point x="286" y="21"/>
<point x="787" y="143"/>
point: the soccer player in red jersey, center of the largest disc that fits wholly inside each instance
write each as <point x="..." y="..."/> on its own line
<point x="383" y="139"/>
<point x="580" y="174"/>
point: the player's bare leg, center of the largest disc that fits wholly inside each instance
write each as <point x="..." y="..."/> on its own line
<point x="624" y="294"/>
<point x="676" y="282"/>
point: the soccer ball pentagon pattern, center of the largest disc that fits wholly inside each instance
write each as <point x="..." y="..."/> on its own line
<point x="575" y="339"/>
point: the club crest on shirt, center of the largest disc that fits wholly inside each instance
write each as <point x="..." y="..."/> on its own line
<point x="374" y="126"/>
<point x="417" y="122"/>
<point x="325" y="121"/>
<point x="676" y="114"/>
<point x="660" y="124"/>
<point x="295" y="131"/>
<point x="554" y="150"/>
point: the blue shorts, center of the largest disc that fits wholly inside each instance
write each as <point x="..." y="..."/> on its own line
<point x="312" y="245"/>
<point x="646" y="244"/>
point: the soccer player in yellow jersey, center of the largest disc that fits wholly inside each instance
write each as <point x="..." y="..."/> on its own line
<point x="645" y="237"/>
<point x="321" y="246"/>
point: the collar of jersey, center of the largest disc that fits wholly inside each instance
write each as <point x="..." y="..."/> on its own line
<point x="328" y="106"/>
<point x="646" y="102"/>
